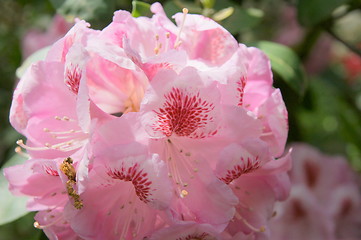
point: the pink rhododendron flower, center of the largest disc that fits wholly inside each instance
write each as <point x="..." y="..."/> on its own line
<point x="153" y="131"/>
<point x="325" y="200"/>
<point x="35" y="39"/>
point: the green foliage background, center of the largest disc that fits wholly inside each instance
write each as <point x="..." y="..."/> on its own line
<point x="324" y="106"/>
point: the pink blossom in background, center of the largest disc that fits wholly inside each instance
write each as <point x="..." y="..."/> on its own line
<point x="325" y="200"/>
<point x="35" y="39"/>
<point x="153" y="131"/>
<point x="291" y="33"/>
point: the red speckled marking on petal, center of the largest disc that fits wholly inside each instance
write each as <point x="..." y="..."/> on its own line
<point x="202" y="236"/>
<point x="183" y="114"/>
<point x="248" y="165"/>
<point x="137" y="177"/>
<point x="241" y="84"/>
<point x="72" y="78"/>
<point x="51" y="171"/>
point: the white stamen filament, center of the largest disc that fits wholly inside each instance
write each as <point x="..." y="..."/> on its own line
<point x="157" y="45"/>
<point x="63" y="146"/>
<point x="20" y="142"/>
<point x="179" y="161"/>
<point x="129" y="212"/>
<point x="266" y="134"/>
<point x="177" y="41"/>
<point x="61" y="133"/>
<point x="250" y="226"/>
<point x="38" y="226"/>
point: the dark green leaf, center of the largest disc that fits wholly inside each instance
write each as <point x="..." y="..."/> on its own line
<point x="57" y="3"/>
<point x="11" y="207"/>
<point x="312" y="12"/>
<point x="141" y="9"/>
<point x="285" y="63"/>
<point x="243" y="20"/>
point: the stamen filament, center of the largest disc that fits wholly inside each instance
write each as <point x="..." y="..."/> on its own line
<point x="177" y="41"/>
<point x="250" y="226"/>
<point x="266" y="134"/>
<point x="38" y="226"/>
<point x="20" y="142"/>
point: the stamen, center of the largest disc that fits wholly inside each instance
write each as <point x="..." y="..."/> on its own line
<point x="19" y="151"/>
<point x="129" y="212"/>
<point x="157" y="48"/>
<point x="182" y="165"/>
<point x="250" y="226"/>
<point x="20" y="142"/>
<point x="60" y="133"/>
<point x="167" y="35"/>
<point x="266" y="134"/>
<point x="63" y="146"/>
<point x="64" y="118"/>
<point x="177" y="41"/>
<point x="38" y="226"/>
<point x="184" y="193"/>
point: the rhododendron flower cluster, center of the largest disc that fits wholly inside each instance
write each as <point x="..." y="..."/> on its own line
<point x="325" y="201"/>
<point x="151" y="130"/>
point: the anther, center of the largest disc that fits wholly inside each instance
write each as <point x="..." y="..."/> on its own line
<point x="167" y="35"/>
<point x="37" y="225"/>
<point x="184" y="193"/>
<point x="19" y="151"/>
<point x="158" y="45"/>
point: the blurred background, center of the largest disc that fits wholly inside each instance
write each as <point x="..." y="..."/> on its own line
<point x="314" y="47"/>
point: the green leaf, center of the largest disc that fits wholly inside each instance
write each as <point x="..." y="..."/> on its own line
<point x="141" y="9"/>
<point x="57" y="3"/>
<point x="208" y="3"/>
<point x="11" y="207"/>
<point x="243" y="19"/>
<point x="36" y="56"/>
<point x="286" y="64"/>
<point x="312" y="12"/>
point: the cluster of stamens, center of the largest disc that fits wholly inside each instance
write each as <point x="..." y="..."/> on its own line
<point x="73" y="139"/>
<point x="177" y="43"/>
